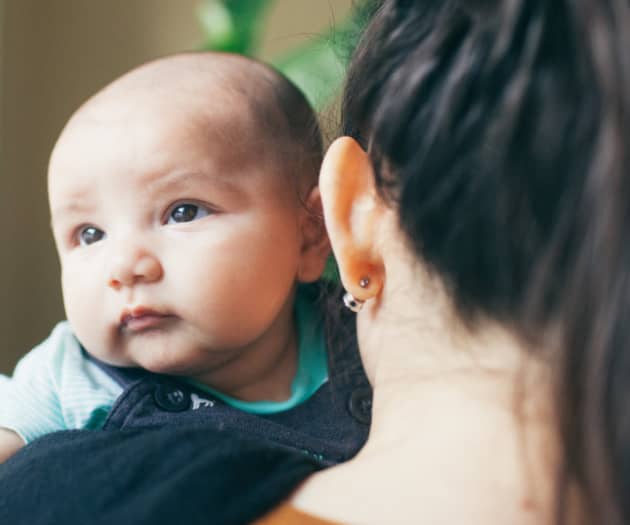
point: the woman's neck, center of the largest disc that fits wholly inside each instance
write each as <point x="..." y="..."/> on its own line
<point x="455" y="442"/>
<point x="441" y="371"/>
<point x="461" y="423"/>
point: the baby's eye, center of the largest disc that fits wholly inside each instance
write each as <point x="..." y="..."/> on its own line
<point x="187" y="213"/>
<point x="90" y="235"/>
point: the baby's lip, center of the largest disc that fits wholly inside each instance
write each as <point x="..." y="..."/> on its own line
<point x="138" y="318"/>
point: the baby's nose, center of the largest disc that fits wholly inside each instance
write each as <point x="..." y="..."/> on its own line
<point x="131" y="265"/>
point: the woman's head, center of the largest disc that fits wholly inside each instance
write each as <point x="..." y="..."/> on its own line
<point x="483" y="120"/>
<point x="497" y="132"/>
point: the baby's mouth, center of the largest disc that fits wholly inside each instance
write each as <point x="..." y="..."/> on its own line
<point x="140" y="318"/>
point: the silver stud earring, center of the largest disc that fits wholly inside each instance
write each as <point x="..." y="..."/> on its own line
<point x="351" y="302"/>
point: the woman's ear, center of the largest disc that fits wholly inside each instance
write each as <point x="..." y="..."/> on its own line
<point x="315" y="245"/>
<point x="353" y="211"/>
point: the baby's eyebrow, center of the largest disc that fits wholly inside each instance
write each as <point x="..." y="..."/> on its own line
<point x="73" y="206"/>
<point x="183" y="180"/>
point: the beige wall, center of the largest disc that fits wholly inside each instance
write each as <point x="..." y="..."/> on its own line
<point x="54" y="54"/>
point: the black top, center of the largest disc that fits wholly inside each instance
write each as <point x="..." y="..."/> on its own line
<point x="162" y="475"/>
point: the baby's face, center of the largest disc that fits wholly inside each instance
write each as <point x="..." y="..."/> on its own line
<point x="179" y="249"/>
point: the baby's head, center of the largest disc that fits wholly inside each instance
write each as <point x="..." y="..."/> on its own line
<point x="185" y="210"/>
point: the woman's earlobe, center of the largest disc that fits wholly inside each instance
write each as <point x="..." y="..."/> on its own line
<point x="353" y="211"/>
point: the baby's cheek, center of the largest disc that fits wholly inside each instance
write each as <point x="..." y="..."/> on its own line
<point x="83" y="308"/>
<point x="225" y="311"/>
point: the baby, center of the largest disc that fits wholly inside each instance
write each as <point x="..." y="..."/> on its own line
<point x="185" y="212"/>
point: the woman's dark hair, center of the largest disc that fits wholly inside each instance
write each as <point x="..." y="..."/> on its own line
<point x="500" y="130"/>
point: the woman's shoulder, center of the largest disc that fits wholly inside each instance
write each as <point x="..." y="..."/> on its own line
<point x="287" y="514"/>
<point x="458" y="465"/>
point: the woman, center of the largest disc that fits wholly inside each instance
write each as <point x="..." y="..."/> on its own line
<point x="477" y="207"/>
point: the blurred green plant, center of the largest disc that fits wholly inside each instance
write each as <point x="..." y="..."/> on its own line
<point x="317" y="67"/>
<point x="233" y="26"/>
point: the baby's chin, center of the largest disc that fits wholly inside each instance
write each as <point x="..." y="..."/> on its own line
<point x="140" y="346"/>
<point x="111" y="357"/>
<point x="178" y="356"/>
<point x="153" y="360"/>
<point x="173" y="348"/>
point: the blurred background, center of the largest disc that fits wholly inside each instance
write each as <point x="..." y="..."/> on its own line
<point x="55" y="54"/>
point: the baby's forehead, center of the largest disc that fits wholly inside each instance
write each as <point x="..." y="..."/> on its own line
<point x="209" y="97"/>
<point x="226" y="105"/>
<point x="202" y="79"/>
<point x="218" y="136"/>
<point x="220" y="95"/>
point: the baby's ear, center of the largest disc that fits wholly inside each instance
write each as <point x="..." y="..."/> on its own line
<point x="315" y="244"/>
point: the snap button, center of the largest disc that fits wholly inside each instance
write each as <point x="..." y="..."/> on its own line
<point x="171" y="398"/>
<point x="360" y="405"/>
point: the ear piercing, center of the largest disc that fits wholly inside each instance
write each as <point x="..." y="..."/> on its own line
<point x="351" y="302"/>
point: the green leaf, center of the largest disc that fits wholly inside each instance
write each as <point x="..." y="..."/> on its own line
<point x="318" y="67"/>
<point x="232" y="26"/>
